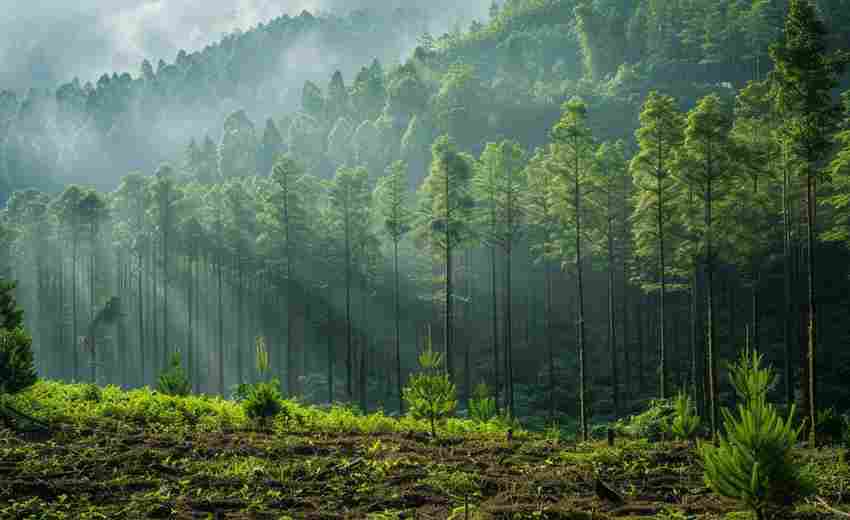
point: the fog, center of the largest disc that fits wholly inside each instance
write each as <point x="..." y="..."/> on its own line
<point x="49" y="42"/>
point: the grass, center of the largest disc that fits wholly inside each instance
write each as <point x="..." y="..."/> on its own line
<point x="140" y="454"/>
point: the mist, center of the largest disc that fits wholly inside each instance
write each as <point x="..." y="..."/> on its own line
<point x="48" y="43"/>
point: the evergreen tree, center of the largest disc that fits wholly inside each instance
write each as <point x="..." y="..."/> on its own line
<point x="448" y="202"/>
<point x="390" y="198"/>
<point x="706" y="164"/>
<point x="804" y="75"/>
<point x="660" y="133"/>
<point x="499" y="182"/>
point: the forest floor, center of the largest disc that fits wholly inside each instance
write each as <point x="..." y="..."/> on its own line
<point x="111" y="469"/>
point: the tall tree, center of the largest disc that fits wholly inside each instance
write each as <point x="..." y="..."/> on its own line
<point x="349" y="203"/>
<point x="805" y="74"/>
<point x="501" y="182"/>
<point x="542" y="218"/>
<point x="288" y="220"/>
<point x="67" y="209"/>
<point x="165" y="197"/>
<point x="660" y="133"/>
<point x="606" y="212"/>
<point x="706" y="167"/>
<point x="391" y="201"/>
<point x="448" y="202"/>
<point x="572" y="160"/>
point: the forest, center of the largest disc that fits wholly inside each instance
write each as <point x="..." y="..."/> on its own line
<point x="562" y="236"/>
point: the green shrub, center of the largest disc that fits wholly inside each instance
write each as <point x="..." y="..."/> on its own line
<point x="482" y="406"/>
<point x="174" y="381"/>
<point x="17" y="371"/>
<point x="429" y="394"/>
<point x="651" y="424"/>
<point x="262" y="401"/>
<point x="685" y="421"/>
<point x="753" y="460"/>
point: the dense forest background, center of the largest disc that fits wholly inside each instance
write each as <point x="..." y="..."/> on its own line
<point x="202" y="206"/>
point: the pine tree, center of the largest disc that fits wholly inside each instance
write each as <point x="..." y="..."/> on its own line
<point x="660" y="133"/>
<point x="804" y="75"/>
<point x="572" y="161"/>
<point x="445" y="223"/>
<point x="500" y="184"/>
<point x="390" y="198"/>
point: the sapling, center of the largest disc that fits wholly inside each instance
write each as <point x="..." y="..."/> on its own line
<point x="430" y="394"/>
<point x="753" y="460"/>
<point x="174" y="381"/>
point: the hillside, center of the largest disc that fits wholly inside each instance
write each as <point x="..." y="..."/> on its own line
<point x="95" y="132"/>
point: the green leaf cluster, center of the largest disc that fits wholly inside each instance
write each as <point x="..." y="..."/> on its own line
<point x="753" y="460"/>
<point x="685" y="421"/>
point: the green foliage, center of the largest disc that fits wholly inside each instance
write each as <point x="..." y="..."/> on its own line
<point x="685" y="421"/>
<point x="174" y="380"/>
<point x="263" y="401"/>
<point x="651" y="424"/>
<point x="753" y="461"/>
<point x="429" y="394"/>
<point x="482" y="406"/>
<point x="17" y="371"/>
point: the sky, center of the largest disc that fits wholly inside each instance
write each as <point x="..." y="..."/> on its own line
<point x="47" y="42"/>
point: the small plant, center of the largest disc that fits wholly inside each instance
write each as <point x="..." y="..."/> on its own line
<point x="482" y="406"/>
<point x="174" y="380"/>
<point x="753" y="460"/>
<point x="429" y="394"/>
<point x="262" y="401"/>
<point x="685" y="421"/>
<point x="91" y="393"/>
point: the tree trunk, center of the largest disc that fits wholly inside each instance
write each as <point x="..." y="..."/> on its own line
<point x="547" y="329"/>
<point x="662" y="348"/>
<point x="220" y="331"/>
<point x="349" y="390"/>
<point x="612" y="332"/>
<point x="496" y="386"/>
<point x="787" y="308"/>
<point x="509" y="374"/>
<point x="74" y="319"/>
<point x="710" y="334"/>
<point x="812" y="324"/>
<point x="397" y="329"/>
<point x="580" y="324"/>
